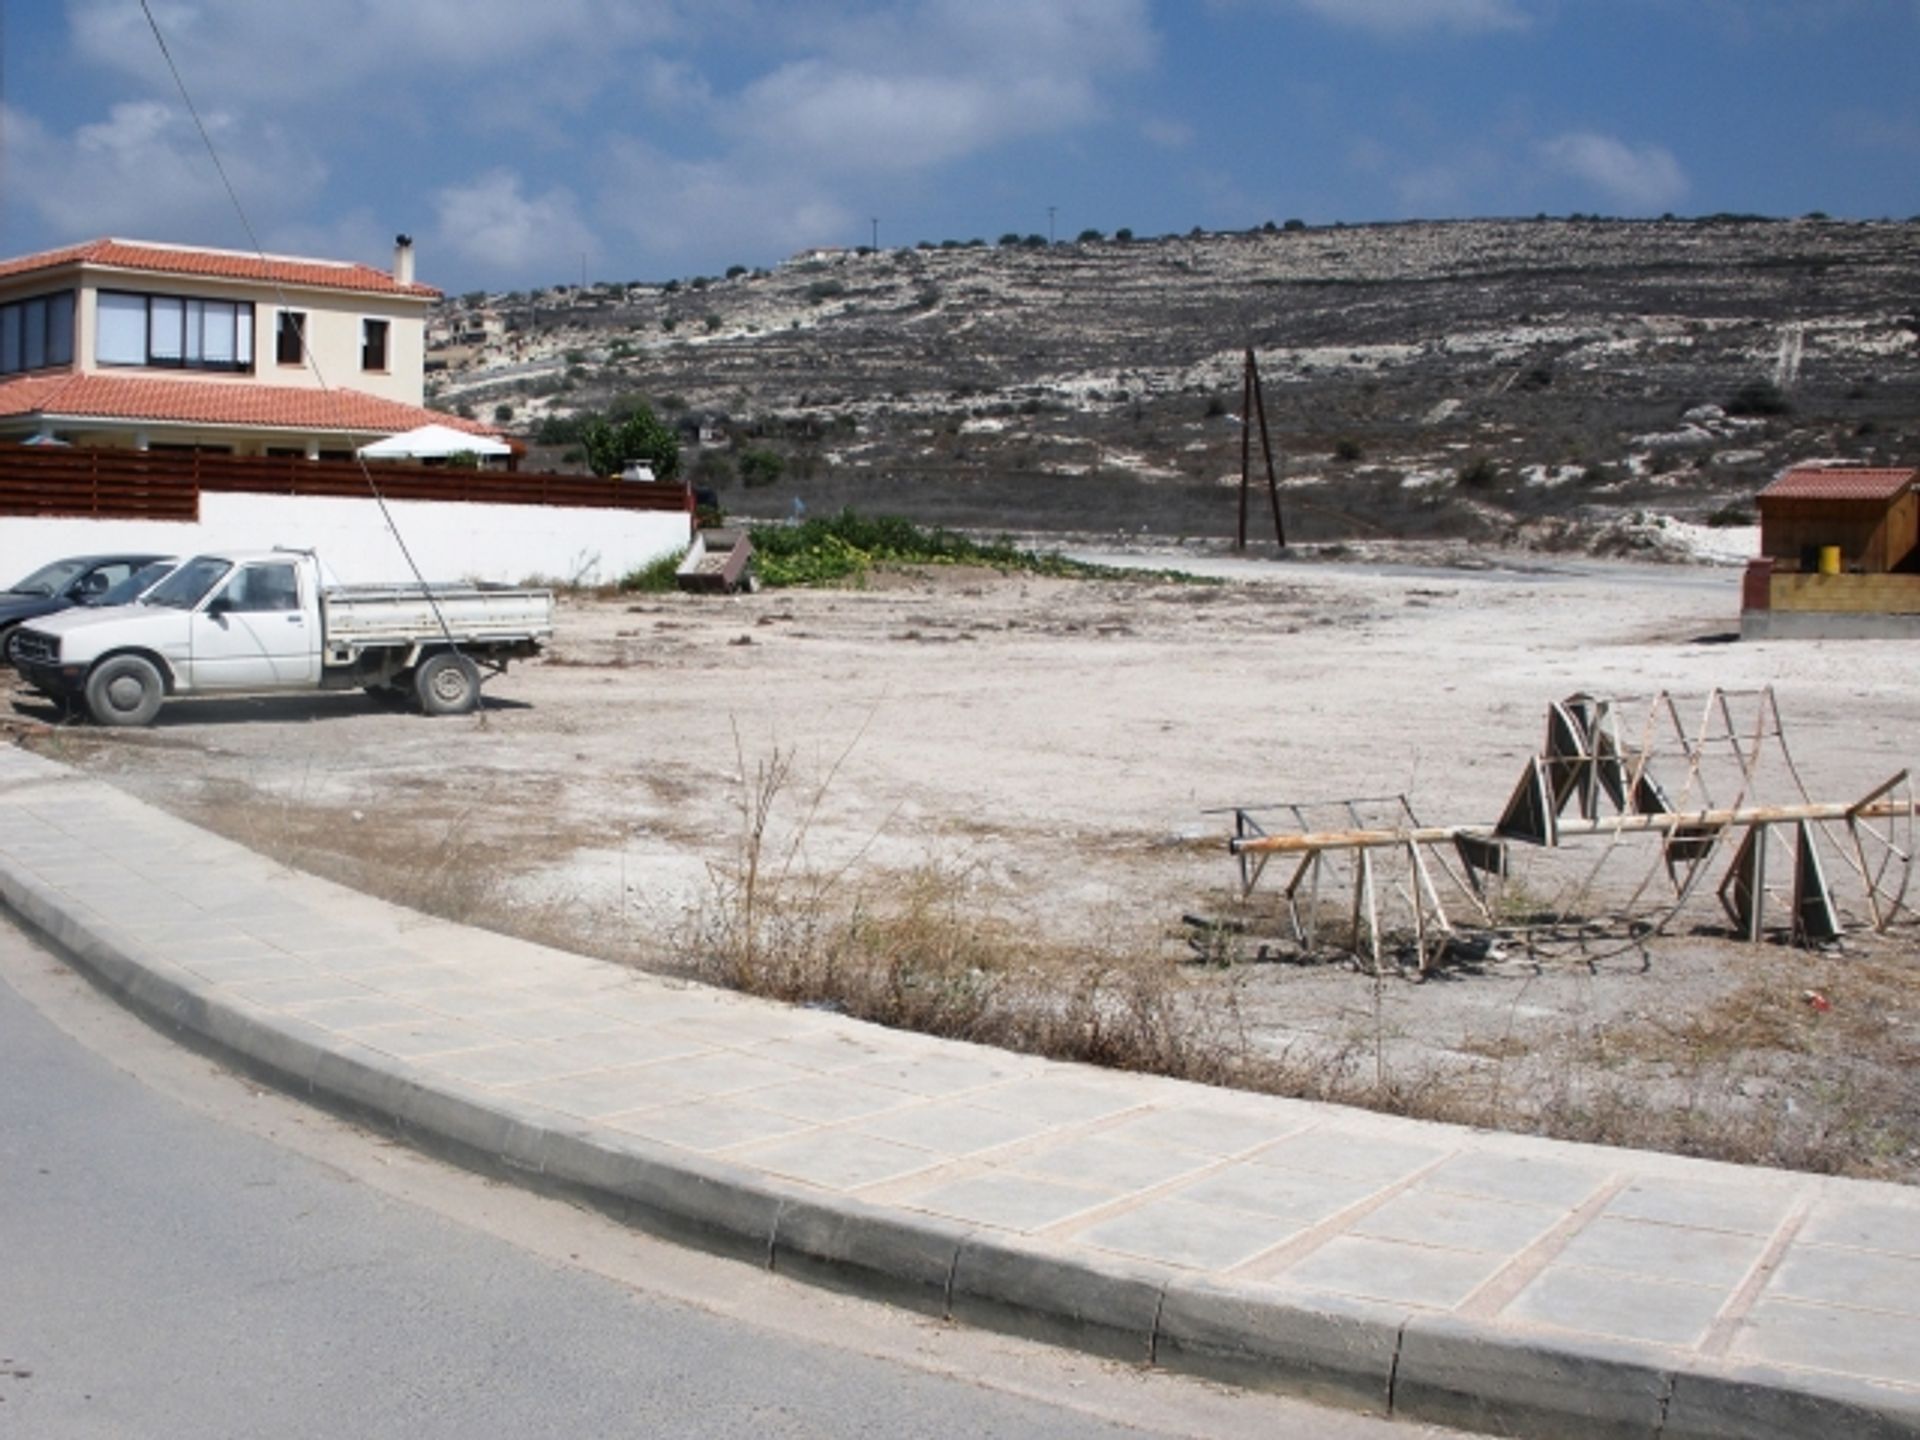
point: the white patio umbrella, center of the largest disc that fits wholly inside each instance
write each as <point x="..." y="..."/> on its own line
<point x="433" y="442"/>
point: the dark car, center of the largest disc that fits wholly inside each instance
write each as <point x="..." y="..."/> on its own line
<point x="79" y="580"/>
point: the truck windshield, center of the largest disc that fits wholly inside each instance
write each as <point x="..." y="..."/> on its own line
<point x="128" y="590"/>
<point x="185" y="588"/>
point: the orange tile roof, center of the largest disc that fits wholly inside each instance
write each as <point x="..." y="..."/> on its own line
<point x="218" y="265"/>
<point x="1812" y="482"/>
<point x="68" y="396"/>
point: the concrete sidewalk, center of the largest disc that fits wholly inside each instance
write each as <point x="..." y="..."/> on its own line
<point x="1489" y="1281"/>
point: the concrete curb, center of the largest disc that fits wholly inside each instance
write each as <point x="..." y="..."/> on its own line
<point x="1381" y="1359"/>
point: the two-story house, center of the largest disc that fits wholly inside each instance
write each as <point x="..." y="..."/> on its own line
<point x="132" y="343"/>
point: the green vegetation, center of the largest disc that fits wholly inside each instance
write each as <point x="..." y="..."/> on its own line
<point x="760" y="467"/>
<point x="847" y="545"/>
<point x="656" y="576"/>
<point x="610" y="442"/>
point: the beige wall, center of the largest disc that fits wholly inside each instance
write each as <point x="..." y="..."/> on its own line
<point x="333" y="333"/>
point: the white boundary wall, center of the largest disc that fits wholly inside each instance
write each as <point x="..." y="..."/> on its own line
<point x="449" y="541"/>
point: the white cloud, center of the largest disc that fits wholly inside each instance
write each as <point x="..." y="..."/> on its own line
<point x="1406" y="17"/>
<point x="674" y="209"/>
<point x="490" y="223"/>
<point x="1645" y="177"/>
<point x="143" y="172"/>
<point x="915" y="86"/>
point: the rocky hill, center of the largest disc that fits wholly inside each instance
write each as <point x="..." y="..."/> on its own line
<point x="1514" y="380"/>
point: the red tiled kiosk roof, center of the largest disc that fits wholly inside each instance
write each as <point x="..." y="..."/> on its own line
<point x="217" y="265"/>
<point x="1812" y="482"/>
<point x="66" y="396"/>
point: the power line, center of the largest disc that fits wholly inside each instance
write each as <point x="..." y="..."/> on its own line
<point x="280" y="293"/>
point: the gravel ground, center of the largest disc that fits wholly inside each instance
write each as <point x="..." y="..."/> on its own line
<point x="1060" y="743"/>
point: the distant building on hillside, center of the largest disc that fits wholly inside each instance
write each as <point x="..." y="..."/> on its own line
<point x="1839" y="556"/>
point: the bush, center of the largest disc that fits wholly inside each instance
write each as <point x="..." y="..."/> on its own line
<point x="1730" y="516"/>
<point x="822" y="290"/>
<point x="760" y="468"/>
<point x="637" y="436"/>
<point x="844" y="545"/>
<point x="1758" y="397"/>
<point x="1124" y="235"/>
<point x="713" y="470"/>
<point x="1010" y="238"/>
<point x="503" y="414"/>
<point x="656" y="575"/>
<point x="1347" y="448"/>
<point x="1479" y="473"/>
<point x="734" y="272"/>
<point x="1091" y="237"/>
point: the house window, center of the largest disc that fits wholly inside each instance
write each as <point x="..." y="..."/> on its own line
<point x="173" y="331"/>
<point x="36" y="333"/>
<point x="373" y="344"/>
<point x="289" y="341"/>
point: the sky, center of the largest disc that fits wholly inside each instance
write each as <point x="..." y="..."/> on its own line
<point x="529" y="143"/>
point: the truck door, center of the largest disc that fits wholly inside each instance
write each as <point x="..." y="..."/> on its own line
<point x="254" y="634"/>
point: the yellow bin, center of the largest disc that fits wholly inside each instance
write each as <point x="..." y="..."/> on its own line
<point x="1829" y="559"/>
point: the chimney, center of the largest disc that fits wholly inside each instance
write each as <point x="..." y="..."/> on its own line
<point x="403" y="260"/>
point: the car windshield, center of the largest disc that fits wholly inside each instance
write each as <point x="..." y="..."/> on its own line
<point x="186" y="587"/>
<point x="128" y="590"/>
<point x="50" y="579"/>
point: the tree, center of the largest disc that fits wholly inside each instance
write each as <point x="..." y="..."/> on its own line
<point x="638" y="436"/>
<point x="1091" y="237"/>
<point x="760" y="467"/>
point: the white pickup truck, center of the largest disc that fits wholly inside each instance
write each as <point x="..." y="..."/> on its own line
<point x="261" y="622"/>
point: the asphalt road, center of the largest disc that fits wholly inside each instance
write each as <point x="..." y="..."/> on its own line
<point x="183" y="1254"/>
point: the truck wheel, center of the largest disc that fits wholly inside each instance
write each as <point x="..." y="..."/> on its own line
<point x="447" y="684"/>
<point x="125" y="690"/>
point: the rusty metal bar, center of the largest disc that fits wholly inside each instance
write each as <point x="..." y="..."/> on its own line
<point x="1606" y="825"/>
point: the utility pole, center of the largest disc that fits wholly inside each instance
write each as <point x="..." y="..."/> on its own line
<point x="876" y="234"/>
<point x="1050" y="210"/>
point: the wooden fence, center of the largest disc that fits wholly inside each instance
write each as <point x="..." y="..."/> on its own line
<point x="59" y="480"/>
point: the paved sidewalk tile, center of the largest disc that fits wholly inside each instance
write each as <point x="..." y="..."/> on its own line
<point x="1390" y="1270"/>
<point x="1595" y="1302"/>
<point x="1201" y="1237"/>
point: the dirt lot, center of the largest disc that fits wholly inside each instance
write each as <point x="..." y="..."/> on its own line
<point x="1042" y="753"/>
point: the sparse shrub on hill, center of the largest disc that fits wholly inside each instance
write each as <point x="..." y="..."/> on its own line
<point x="1348" y="449"/>
<point x="1479" y="473"/>
<point x="1758" y="398"/>
<point x="760" y="468"/>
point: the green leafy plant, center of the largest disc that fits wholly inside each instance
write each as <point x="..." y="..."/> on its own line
<point x="845" y="546"/>
<point x="610" y="445"/>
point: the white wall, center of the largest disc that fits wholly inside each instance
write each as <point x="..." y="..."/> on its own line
<point x="449" y="541"/>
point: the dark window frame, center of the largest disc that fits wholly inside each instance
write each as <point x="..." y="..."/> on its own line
<point x="376" y="337"/>
<point x="43" y="327"/>
<point x="290" y="338"/>
<point x="190" y="353"/>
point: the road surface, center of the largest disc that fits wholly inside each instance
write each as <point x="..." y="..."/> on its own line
<point x="183" y="1254"/>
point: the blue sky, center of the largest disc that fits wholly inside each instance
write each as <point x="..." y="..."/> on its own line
<point x="524" y="141"/>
